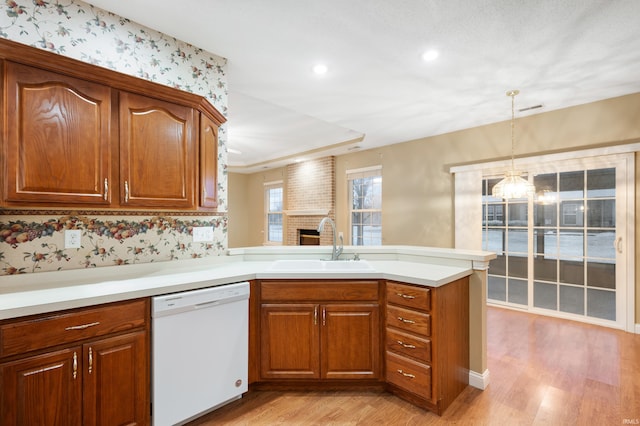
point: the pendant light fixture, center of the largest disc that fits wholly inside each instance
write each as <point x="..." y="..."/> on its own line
<point x="513" y="185"/>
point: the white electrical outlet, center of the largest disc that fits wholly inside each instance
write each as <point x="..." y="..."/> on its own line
<point x="72" y="238"/>
<point x="202" y="233"/>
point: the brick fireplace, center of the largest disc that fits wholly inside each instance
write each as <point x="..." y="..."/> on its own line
<point x="310" y="197"/>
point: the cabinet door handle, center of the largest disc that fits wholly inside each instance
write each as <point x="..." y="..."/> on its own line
<point x="75" y="365"/>
<point x="106" y="189"/>
<point x="126" y="191"/>
<point x="405" y="296"/>
<point x="315" y="316"/>
<point x="90" y="359"/>
<point x="406" y="321"/>
<point x="406" y="345"/>
<point x="409" y="375"/>
<point x="324" y="316"/>
<point x="83" y="326"/>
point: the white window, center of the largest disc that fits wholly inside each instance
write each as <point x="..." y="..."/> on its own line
<point x="273" y="212"/>
<point x="365" y="206"/>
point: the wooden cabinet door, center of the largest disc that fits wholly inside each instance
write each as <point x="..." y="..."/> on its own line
<point x="208" y="162"/>
<point x="290" y="344"/>
<point x="58" y="138"/>
<point x="350" y="341"/>
<point x="42" y="390"/>
<point x="116" y="381"/>
<point x="157" y="153"/>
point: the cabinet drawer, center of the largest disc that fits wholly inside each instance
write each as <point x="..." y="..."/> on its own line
<point x="319" y="291"/>
<point x="407" y="344"/>
<point x="409" y="296"/>
<point x="410" y="375"/>
<point x="405" y="319"/>
<point x="60" y="328"/>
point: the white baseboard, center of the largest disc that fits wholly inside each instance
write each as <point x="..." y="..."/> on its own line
<point x="637" y="328"/>
<point x="479" y="380"/>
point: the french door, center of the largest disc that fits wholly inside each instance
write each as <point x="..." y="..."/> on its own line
<point x="564" y="251"/>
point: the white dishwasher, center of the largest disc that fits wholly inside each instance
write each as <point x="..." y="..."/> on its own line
<point x="200" y="349"/>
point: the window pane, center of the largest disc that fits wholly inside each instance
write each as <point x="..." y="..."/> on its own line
<point x="572" y="213"/>
<point x="498" y="266"/>
<point x="275" y="199"/>
<point x="545" y="269"/>
<point x="571" y="185"/>
<point x="518" y="291"/>
<point x="274" y="227"/>
<point x="497" y="288"/>
<point x="600" y="244"/>
<point x="572" y="299"/>
<point x="545" y="242"/>
<point x="571" y="243"/>
<point x="518" y="214"/>
<point x="545" y="215"/>
<point x="545" y="296"/>
<point x="601" y="304"/>
<point x="517" y="266"/>
<point x="601" y="275"/>
<point x="494" y="240"/>
<point x="572" y="272"/>
<point x="601" y="213"/>
<point x="601" y="183"/>
<point x="518" y="241"/>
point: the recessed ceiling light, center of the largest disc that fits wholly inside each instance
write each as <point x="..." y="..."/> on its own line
<point x="430" y="55"/>
<point x="320" y="69"/>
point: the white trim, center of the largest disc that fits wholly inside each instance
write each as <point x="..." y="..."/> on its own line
<point x="273" y="182"/>
<point x="637" y="328"/>
<point x="522" y="162"/>
<point x="479" y="380"/>
<point x="364" y="169"/>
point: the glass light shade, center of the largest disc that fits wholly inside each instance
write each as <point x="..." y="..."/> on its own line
<point x="513" y="186"/>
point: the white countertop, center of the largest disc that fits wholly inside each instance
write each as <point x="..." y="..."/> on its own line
<point x="52" y="291"/>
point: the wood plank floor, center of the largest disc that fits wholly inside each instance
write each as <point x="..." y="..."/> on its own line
<point x="544" y="371"/>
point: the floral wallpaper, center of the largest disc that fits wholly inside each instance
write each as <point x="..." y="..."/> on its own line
<point x="35" y="243"/>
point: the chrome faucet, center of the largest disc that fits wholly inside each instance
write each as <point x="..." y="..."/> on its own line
<point x="336" y="251"/>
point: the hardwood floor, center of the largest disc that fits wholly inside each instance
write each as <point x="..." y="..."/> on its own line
<point x="544" y="371"/>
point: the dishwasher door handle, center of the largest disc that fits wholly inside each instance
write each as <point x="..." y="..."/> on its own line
<point x="206" y="304"/>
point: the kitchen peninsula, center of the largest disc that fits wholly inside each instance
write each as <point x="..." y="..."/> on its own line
<point x="413" y="281"/>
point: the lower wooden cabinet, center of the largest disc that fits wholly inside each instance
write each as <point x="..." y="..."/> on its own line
<point x="427" y="342"/>
<point x="98" y="377"/>
<point x="335" y="337"/>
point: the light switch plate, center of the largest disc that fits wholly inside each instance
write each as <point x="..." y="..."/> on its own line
<point x="72" y="238"/>
<point x="202" y="233"/>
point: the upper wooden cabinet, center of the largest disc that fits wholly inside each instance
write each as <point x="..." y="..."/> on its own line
<point x="76" y="135"/>
<point x="208" y="162"/>
<point x="157" y="153"/>
<point x="58" y="146"/>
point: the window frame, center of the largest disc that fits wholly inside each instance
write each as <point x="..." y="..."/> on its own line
<point x="268" y="186"/>
<point x="363" y="173"/>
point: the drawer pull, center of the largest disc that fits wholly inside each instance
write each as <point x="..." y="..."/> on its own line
<point x="409" y="375"/>
<point x="83" y="326"/>
<point x="405" y="296"/>
<point x="406" y="321"/>
<point x="90" y="359"/>
<point x="75" y="365"/>
<point x="405" y="345"/>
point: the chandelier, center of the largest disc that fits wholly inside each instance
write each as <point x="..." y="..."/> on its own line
<point x="513" y="185"/>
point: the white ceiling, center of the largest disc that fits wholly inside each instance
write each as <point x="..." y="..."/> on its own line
<point x="378" y="90"/>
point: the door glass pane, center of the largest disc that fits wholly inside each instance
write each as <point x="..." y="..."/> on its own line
<point x="517" y="214"/>
<point x="497" y="288"/>
<point x="545" y="214"/>
<point x="601" y="183"/>
<point x="572" y="185"/>
<point x="572" y="272"/>
<point x="601" y="213"/>
<point x="494" y="240"/>
<point x="571" y="243"/>
<point x="545" y="295"/>
<point x="601" y="275"/>
<point x="572" y="299"/>
<point x="498" y="266"/>
<point x="601" y="304"/>
<point x="518" y="291"/>
<point x="518" y="266"/>
<point x="518" y="241"/>
<point x="545" y="269"/>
